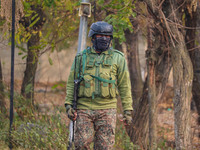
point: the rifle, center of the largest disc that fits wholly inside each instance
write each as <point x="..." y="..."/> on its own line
<point x="74" y="106"/>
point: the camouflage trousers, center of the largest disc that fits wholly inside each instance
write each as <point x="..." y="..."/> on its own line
<point x="96" y="126"/>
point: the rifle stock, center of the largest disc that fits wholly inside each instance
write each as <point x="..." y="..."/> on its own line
<point x="72" y="123"/>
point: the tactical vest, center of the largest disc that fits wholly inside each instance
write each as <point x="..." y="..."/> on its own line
<point x="98" y="77"/>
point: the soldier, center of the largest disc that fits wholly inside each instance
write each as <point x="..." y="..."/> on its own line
<point x="104" y="75"/>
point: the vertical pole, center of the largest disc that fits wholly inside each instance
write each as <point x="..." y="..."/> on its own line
<point x="82" y="32"/>
<point x="12" y="71"/>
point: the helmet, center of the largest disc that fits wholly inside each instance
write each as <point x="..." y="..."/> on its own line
<point x="102" y="28"/>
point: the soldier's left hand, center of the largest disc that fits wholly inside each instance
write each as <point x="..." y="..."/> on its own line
<point x="127" y="117"/>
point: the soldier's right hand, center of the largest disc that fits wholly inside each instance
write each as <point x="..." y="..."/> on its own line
<point x="127" y="117"/>
<point x="72" y="114"/>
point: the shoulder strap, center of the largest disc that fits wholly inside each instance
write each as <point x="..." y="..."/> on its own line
<point x="117" y="51"/>
<point x="84" y="59"/>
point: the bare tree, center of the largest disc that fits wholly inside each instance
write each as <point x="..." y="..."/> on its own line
<point x="196" y="83"/>
<point x="132" y="47"/>
<point x="152" y="99"/>
<point x="134" y="65"/>
<point x="167" y="18"/>
<point x="183" y="78"/>
<point x="158" y="59"/>
<point x="192" y="20"/>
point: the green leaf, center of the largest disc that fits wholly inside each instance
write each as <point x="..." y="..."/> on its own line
<point x="50" y="61"/>
<point x="22" y="48"/>
<point x="24" y="56"/>
<point x="26" y="5"/>
<point x="28" y="15"/>
<point x="34" y="16"/>
<point x="34" y="22"/>
<point x="28" y="88"/>
<point x="20" y="53"/>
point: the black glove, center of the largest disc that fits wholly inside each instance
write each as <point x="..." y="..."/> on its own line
<point x="127" y="117"/>
<point x="71" y="113"/>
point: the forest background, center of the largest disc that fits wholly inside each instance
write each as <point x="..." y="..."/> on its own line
<point x="160" y="39"/>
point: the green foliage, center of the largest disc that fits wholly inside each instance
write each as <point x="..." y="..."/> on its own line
<point x="55" y="21"/>
<point x="119" y="15"/>
<point x="4" y="127"/>
<point x="50" y="3"/>
<point x="61" y="24"/>
<point x="32" y="129"/>
<point x="28" y="88"/>
<point x="58" y="85"/>
<point x="122" y="140"/>
<point x="45" y="133"/>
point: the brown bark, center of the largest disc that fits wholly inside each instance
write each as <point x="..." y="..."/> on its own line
<point x="183" y="72"/>
<point x="152" y="99"/>
<point x="139" y="131"/>
<point x="117" y="45"/>
<point x="134" y="65"/>
<point x="152" y="105"/>
<point x="196" y="82"/>
<point x="27" y="89"/>
<point x="192" y="20"/>
<point x="151" y="55"/>
<point x="182" y="75"/>
<point x="133" y="57"/>
<point x="2" y="95"/>
<point x="183" y="78"/>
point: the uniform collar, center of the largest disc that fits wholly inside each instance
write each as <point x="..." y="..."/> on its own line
<point x="104" y="52"/>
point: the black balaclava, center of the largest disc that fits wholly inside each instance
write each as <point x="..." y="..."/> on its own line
<point x="101" y="44"/>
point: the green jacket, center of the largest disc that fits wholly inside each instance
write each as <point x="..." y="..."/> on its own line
<point x="104" y="77"/>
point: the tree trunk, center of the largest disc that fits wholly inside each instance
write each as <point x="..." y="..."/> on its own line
<point x="192" y="20"/>
<point x="152" y="105"/>
<point x="134" y="65"/>
<point x="183" y="78"/>
<point x="139" y="131"/>
<point x="152" y="99"/>
<point x="196" y="83"/>
<point x="117" y="45"/>
<point x="132" y="47"/>
<point x="27" y="89"/>
<point x="2" y="95"/>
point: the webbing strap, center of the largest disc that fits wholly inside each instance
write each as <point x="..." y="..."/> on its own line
<point x="103" y="80"/>
<point x="84" y="60"/>
<point x="98" y="78"/>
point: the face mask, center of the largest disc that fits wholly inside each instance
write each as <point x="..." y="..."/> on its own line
<point x="101" y="43"/>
